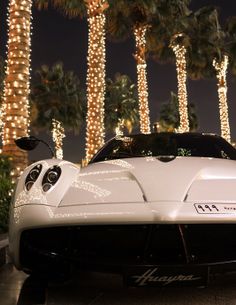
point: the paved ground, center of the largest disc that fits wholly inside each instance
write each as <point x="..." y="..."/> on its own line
<point x="18" y="289"/>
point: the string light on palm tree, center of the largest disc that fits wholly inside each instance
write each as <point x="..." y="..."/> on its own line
<point x="140" y="38"/>
<point x="58" y="134"/>
<point x="180" y="53"/>
<point x="15" y="108"/>
<point x="221" y="71"/>
<point x="95" y="76"/>
<point x="1" y="121"/>
<point x="120" y="128"/>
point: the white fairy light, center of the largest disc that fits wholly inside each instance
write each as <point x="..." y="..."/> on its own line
<point x="15" y="108"/>
<point x="96" y="76"/>
<point x="119" y="129"/>
<point x="140" y="38"/>
<point x="221" y="71"/>
<point x="58" y="134"/>
<point x="180" y="54"/>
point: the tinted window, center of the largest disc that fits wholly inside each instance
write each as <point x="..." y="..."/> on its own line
<point x="162" y="144"/>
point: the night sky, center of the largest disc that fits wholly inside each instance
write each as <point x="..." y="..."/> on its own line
<point x="57" y="38"/>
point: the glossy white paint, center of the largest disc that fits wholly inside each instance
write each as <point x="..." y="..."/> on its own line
<point x="134" y="190"/>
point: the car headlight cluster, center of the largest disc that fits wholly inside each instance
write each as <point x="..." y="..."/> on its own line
<point x="32" y="176"/>
<point x="51" y="177"/>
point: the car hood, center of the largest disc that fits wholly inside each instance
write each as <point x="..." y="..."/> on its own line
<point x="151" y="179"/>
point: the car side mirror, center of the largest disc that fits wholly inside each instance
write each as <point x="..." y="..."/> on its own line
<point x="30" y="143"/>
<point x="27" y="143"/>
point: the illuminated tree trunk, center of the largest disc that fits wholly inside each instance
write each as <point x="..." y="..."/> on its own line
<point x="1" y="122"/>
<point x="221" y="70"/>
<point x="58" y="133"/>
<point x="140" y="33"/>
<point x="180" y="54"/>
<point x="16" y="91"/>
<point x="95" y="76"/>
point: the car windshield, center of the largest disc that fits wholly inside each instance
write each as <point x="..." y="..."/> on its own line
<point x="166" y="144"/>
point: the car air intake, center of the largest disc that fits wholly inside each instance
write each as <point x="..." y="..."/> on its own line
<point x="115" y="246"/>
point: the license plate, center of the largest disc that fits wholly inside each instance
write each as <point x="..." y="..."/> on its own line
<point x="162" y="276"/>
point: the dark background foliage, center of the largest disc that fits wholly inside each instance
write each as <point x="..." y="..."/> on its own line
<point x="5" y="192"/>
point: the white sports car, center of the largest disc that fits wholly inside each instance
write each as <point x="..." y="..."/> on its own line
<point x="158" y="208"/>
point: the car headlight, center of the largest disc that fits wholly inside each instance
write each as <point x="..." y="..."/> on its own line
<point x="51" y="177"/>
<point x="32" y="176"/>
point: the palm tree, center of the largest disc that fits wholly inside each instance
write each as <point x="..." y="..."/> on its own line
<point x="16" y="92"/>
<point x="57" y="94"/>
<point x="140" y="39"/>
<point x="230" y="56"/>
<point x="95" y="11"/>
<point x="121" y="103"/>
<point x="153" y="23"/>
<point x="170" y="32"/>
<point x="209" y="41"/>
<point x="180" y="52"/>
<point x="2" y="77"/>
<point x="198" y="41"/>
<point x="134" y="18"/>
<point x="221" y="70"/>
<point x="58" y="133"/>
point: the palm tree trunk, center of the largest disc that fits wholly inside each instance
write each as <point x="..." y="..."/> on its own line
<point x="58" y="133"/>
<point x="140" y="33"/>
<point x="180" y="54"/>
<point x="221" y="69"/>
<point x="95" y="76"/>
<point x="16" y="91"/>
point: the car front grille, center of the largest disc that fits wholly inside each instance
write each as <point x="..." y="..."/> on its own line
<point x="115" y="246"/>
